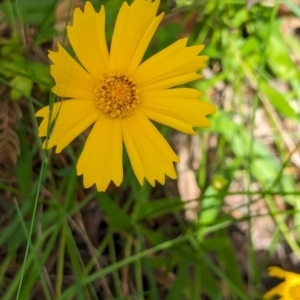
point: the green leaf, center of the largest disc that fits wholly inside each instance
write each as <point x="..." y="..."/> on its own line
<point x="32" y="11"/>
<point x="41" y="72"/>
<point x="118" y="220"/>
<point x="180" y="281"/>
<point x="21" y="86"/>
<point x="264" y="166"/>
<point x="279" y="59"/>
<point x="213" y="198"/>
<point x="24" y="165"/>
<point x="156" y="208"/>
<point x="278" y="101"/>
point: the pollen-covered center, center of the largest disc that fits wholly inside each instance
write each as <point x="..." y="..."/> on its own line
<point x="116" y="95"/>
<point x="294" y="292"/>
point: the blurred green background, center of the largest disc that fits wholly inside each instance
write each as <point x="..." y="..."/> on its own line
<point x="210" y="234"/>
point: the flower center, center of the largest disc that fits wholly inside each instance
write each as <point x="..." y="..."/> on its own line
<point x="294" y="292"/>
<point x="116" y="95"/>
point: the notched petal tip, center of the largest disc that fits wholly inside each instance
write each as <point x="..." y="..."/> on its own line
<point x="269" y="295"/>
<point x="205" y="58"/>
<point x="43" y="112"/>
<point x="211" y="109"/>
<point x="54" y="55"/>
<point x="88" y="6"/>
<point x="51" y="55"/>
<point x="277" y="272"/>
<point x="182" y="42"/>
<point x="89" y="9"/>
<point x="150" y="155"/>
<point x="101" y="159"/>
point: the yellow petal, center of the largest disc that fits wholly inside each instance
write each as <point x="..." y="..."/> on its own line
<point x="71" y="118"/>
<point x="72" y="81"/>
<point x="176" y="64"/>
<point x="277" y="272"/>
<point x="150" y="155"/>
<point x="135" y="26"/>
<point x="278" y="290"/>
<point x="178" y="108"/>
<point x="101" y="159"/>
<point x="289" y="276"/>
<point x="87" y="37"/>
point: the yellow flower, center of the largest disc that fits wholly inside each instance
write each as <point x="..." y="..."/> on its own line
<point x="288" y="289"/>
<point x="120" y="95"/>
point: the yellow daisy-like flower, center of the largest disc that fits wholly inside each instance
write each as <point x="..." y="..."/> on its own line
<point x="120" y="95"/>
<point x="288" y="289"/>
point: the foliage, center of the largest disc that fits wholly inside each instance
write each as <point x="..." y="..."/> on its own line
<point x="59" y="241"/>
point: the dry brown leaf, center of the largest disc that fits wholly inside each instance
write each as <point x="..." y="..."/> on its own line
<point x="10" y="114"/>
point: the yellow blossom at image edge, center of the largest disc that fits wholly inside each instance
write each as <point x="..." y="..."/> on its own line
<point x="289" y="289"/>
<point x="118" y="93"/>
